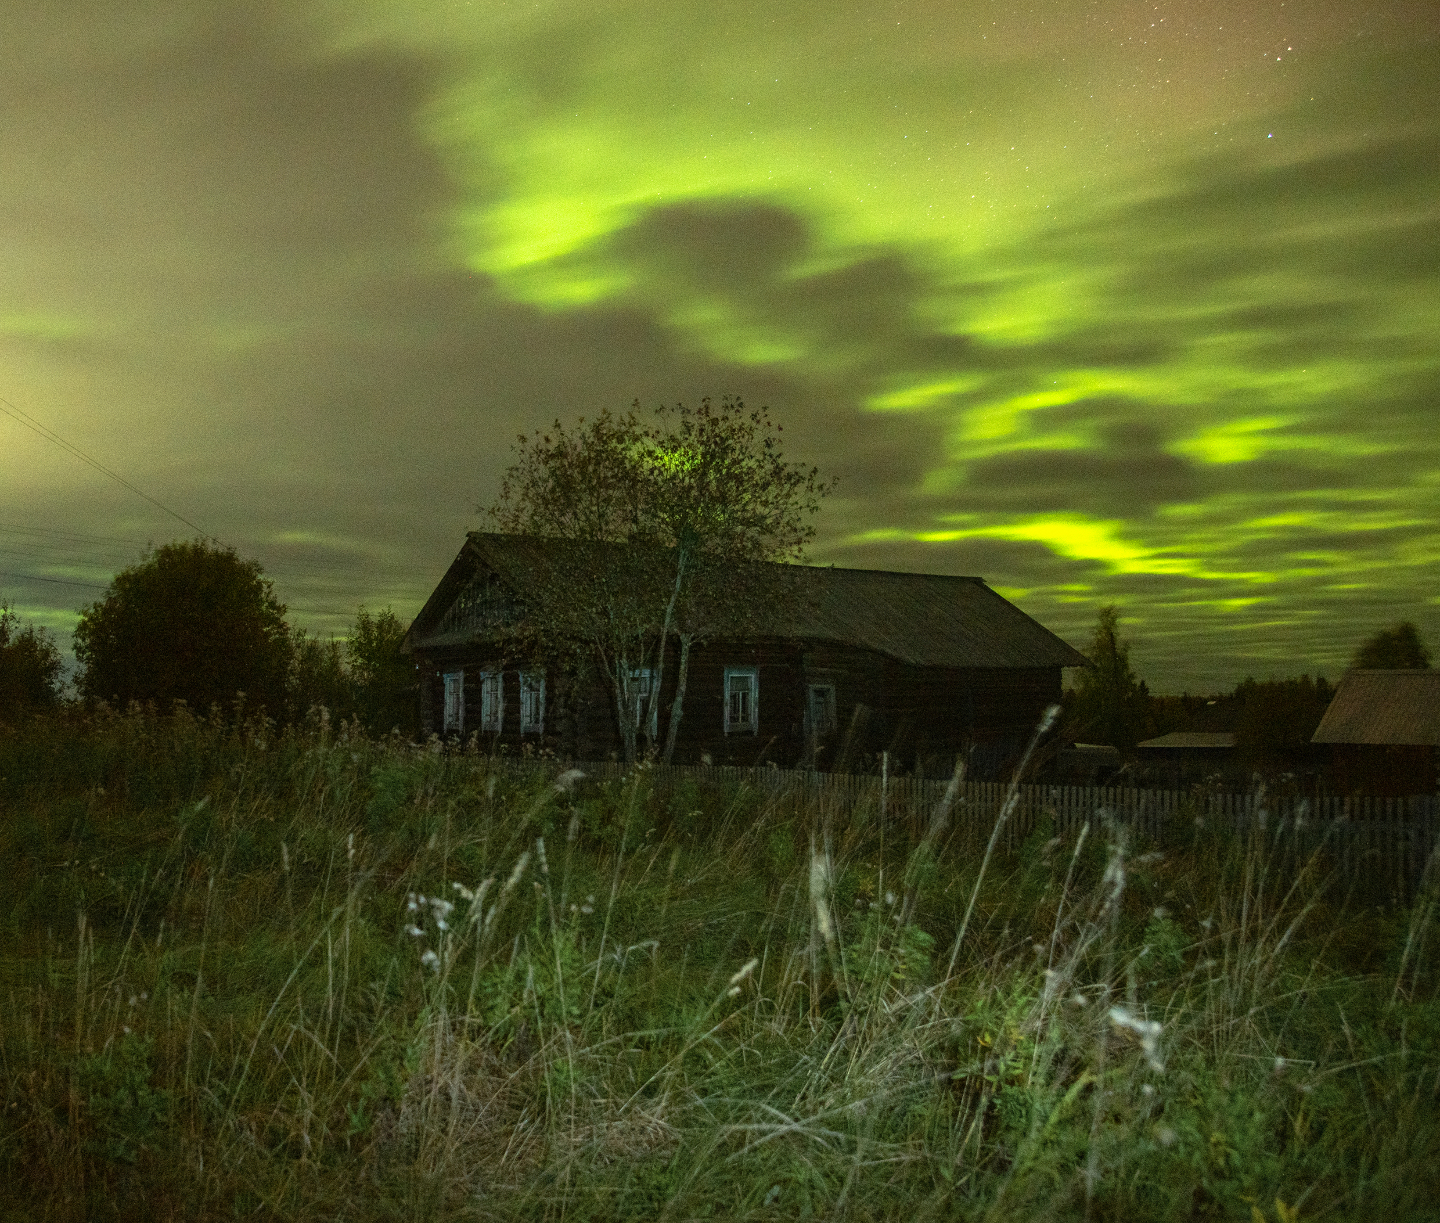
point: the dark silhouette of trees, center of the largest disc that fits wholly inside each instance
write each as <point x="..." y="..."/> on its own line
<point x="1109" y="705"/>
<point x="190" y="622"/>
<point x="1393" y="649"/>
<point x="29" y="666"/>
<point x="385" y="686"/>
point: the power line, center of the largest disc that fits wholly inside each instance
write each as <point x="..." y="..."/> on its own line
<point x="50" y="435"/>
<point x="31" y="577"/>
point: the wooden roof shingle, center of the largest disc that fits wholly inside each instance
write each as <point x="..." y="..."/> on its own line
<point x="1392" y="708"/>
<point x="923" y="619"/>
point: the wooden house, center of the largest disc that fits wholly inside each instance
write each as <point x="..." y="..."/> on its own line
<point x="837" y="666"/>
<point x="1383" y="730"/>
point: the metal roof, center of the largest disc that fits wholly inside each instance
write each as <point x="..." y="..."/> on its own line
<point x="924" y="619"/>
<point x="1394" y="708"/>
<point x="1204" y="740"/>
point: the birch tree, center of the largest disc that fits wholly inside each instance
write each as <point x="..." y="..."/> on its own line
<point x="677" y="512"/>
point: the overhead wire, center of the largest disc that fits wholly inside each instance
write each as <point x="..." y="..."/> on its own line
<point x="41" y="430"/>
<point x="20" y="416"/>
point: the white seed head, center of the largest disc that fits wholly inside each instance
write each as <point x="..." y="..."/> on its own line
<point x="431" y="960"/>
<point x="566" y="781"/>
<point x="745" y="971"/>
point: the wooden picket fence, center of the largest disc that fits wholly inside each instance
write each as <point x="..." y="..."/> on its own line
<point x="1376" y="848"/>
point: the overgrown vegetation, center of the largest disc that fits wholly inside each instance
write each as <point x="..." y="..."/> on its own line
<point x="315" y="975"/>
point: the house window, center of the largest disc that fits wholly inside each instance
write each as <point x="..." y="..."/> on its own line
<point x="642" y="704"/>
<point x="742" y="700"/>
<point x="821" y="709"/>
<point x="455" y="702"/>
<point x="492" y="702"/>
<point x="532" y="702"/>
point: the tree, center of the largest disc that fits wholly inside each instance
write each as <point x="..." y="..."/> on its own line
<point x="190" y="622"/>
<point x="384" y="678"/>
<point x="669" y="515"/>
<point x="29" y="666"/>
<point x="1393" y="649"/>
<point x="1109" y="706"/>
<point x="318" y="677"/>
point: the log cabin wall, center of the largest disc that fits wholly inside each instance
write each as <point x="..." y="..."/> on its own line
<point x="922" y="716"/>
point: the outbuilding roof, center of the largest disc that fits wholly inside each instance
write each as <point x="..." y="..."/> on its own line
<point x="1192" y="740"/>
<point x="924" y="619"/>
<point x="1393" y="708"/>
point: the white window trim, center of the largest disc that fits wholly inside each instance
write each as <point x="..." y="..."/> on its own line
<point x="831" y="714"/>
<point x="492" y="702"/>
<point x="646" y="704"/>
<point x="452" y="718"/>
<point x="532" y="686"/>
<point x="753" y="725"/>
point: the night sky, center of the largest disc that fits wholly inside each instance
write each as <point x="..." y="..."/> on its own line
<point x="1102" y="301"/>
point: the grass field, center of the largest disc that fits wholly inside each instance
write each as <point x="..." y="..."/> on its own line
<point x="315" y="976"/>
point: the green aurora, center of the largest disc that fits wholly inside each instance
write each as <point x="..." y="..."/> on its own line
<point x="1113" y="302"/>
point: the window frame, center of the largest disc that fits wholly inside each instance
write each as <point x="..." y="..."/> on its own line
<point x="752" y="726"/>
<point x="647" y="708"/>
<point x="830" y="722"/>
<point x="492" y="702"/>
<point x="452" y="702"/>
<point x="532" y="687"/>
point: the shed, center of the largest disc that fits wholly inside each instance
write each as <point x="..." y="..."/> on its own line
<point x="1185" y="757"/>
<point x="1383" y="728"/>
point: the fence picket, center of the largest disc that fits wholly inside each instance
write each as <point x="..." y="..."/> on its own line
<point x="1387" y="843"/>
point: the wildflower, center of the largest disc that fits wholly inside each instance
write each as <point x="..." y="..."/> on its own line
<point x="411" y="903"/>
<point x="431" y="960"/>
<point x="1161" y="913"/>
<point x="567" y="780"/>
<point x="1146" y="1029"/>
<point x="414" y="931"/>
<point x="1166" y="1136"/>
<point x="889" y="898"/>
<point x="465" y="892"/>
<point x="441" y="924"/>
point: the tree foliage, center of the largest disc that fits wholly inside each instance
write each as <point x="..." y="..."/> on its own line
<point x="386" y="691"/>
<point x="1393" y="649"/>
<point x="1109" y="705"/>
<point x="671" y="513"/>
<point x="30" y="666"/>
<point x="190" y="622"/>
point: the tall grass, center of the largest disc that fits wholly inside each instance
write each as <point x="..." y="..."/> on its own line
<point x="315" y="975"/>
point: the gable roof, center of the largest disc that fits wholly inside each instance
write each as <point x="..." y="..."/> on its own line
<point x="924" y="619"/>
<point x="1396" y="708"/>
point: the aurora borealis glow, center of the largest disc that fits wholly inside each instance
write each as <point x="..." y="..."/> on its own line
<point x="1105" y="302"/>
